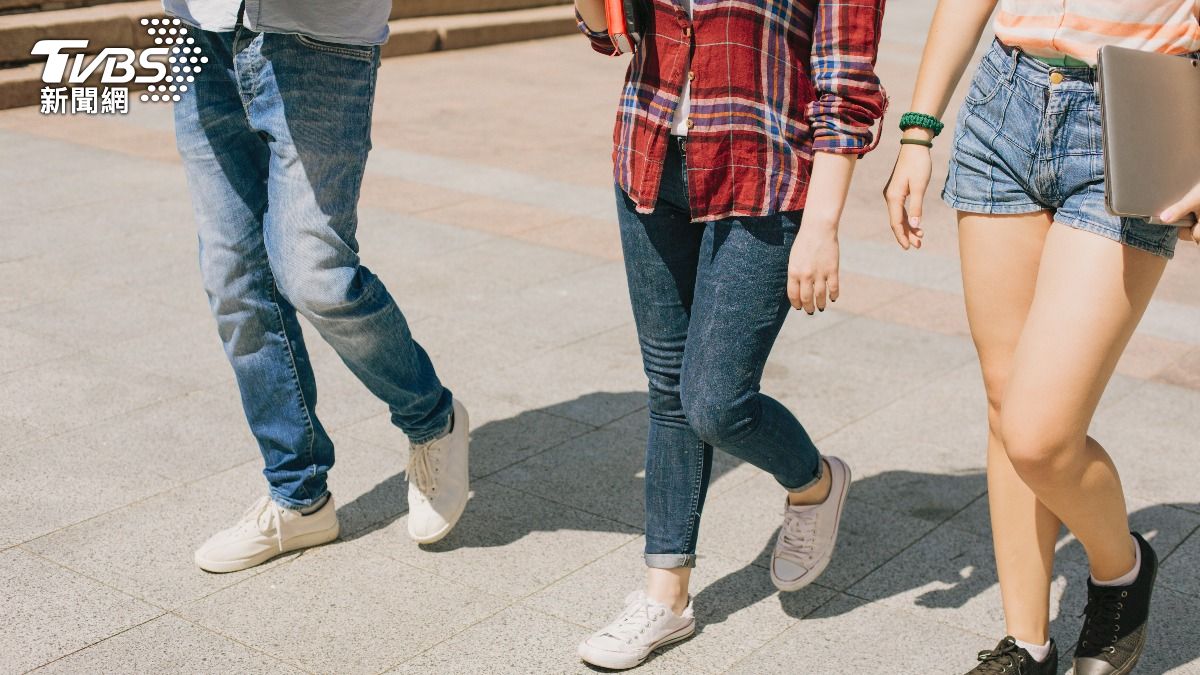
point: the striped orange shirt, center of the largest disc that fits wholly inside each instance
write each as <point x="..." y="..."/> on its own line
<point x="1054" y="29"/>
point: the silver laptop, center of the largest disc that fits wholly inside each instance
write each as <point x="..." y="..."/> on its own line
<point x="1150" y="106"/>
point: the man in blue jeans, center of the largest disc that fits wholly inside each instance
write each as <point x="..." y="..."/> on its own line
<point x="274" y="132"/>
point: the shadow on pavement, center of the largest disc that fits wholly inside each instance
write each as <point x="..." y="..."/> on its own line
<point x="971" y="574"/>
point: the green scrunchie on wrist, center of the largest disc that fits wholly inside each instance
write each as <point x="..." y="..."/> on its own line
<point x="922" y="121"/>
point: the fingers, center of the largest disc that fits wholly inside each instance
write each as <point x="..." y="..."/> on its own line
<point x="834" y="284"/>
<point x="807" y="301"/>
<point x="793" y="291"/>
<point x="1179" y="210"/>
<point x="895" y="195"/>
<point x="916" y="203"/>
<point x="820" y="293"/>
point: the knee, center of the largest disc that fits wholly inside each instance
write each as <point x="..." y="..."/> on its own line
<point x="317" y="291"/>
<point x="1035" y="446"/>
<point x="718" y="418"/>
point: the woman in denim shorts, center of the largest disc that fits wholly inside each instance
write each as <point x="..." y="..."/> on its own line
<point x="1055" y="286"/>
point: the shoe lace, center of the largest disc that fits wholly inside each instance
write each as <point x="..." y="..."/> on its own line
<point x="422" y="466"/>
<point x="1102" y="616"/>
<point x="265" y="516"/>
<point x="1006" y="655"/>
<point x="798" y="535"/>
<point x="636" y="620"/>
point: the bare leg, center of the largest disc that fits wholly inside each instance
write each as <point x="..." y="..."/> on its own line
<point x="1091" y="293"/>
<point x="669" y="586"/>
<point x="1000" y="258"/>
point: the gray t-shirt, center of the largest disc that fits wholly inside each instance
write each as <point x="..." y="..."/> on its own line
<point x="355" y="22"/>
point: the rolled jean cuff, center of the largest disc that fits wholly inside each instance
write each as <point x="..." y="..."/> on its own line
<point x="814" y="481"/>
<point x="670" y="561"/>
<point x="294" y="504"/>
<point x="437" y="435"/>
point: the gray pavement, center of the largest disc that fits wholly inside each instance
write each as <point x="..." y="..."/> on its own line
<point x="488" y="211"/>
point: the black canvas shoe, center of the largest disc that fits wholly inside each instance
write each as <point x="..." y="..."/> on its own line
<point x="1010" y="659"/>
<point x="1114" y="624"/>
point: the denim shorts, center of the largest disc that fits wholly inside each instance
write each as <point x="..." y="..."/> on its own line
<point x="1028" y="139"/>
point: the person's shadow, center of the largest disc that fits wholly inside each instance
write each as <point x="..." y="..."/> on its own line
<point x="926" y="500"/>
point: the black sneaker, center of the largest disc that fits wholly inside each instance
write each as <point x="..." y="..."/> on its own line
<point x="1114" y="624"/>
<point x="1010" y="659"/>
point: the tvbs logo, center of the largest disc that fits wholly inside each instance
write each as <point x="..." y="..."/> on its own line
<point x="165" y="69"/>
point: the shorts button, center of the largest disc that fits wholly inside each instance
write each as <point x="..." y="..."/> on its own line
<point x="687" y="31"/>
<point x="1056" y="77"/>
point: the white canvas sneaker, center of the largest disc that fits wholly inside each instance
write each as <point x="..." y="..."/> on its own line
<point x="808" y="534"/>
<point x="265" y="531"/>
<point x="438" y="481"/>
<point x="644" y="625"/>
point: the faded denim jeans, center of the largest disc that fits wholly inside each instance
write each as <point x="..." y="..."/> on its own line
<point x="709" y="299"/>
<point x="274" y="135"/>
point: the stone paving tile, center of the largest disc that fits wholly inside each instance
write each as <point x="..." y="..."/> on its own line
<point x="742" y="523"/>
<point x="49" y="612"/>
<point x="74" y="391"/>
<point x="1178" y="571"/>
<point x="145" y="549"/>
<point x="600" y="472"/>
<point x="861" y="637"/>
<point x="17" y="433"/>
<point x="515" y="641"/>
<point x="180" y="346"/>
<point x="1185" y="372"/>
<point x="21" y="350"/>
<point x="508" y="543"/>
<point x="377" y="614"/>
<point x="181" y="439"/>
<point x="369" y="483"/>
<point x="392" y="240"/>
<point x="601" y="384"/>
<point x="168" y="644"/>
<point x="737" y="610"/>
<point x="1152" y="440"/>
<point x="950" y="577"/>
<point x="821" y="380"/>
<point x="53" y="483"/>
<point x="502" y="433"/>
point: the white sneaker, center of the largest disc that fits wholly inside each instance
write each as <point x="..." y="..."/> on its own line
<point x="438" y="482"/>
<point x="808" y="534"/>
<point x="644" y="626"/>
<point x="265" y="531"/>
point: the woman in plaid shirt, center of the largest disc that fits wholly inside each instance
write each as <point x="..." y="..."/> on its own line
<point x="732" y="113"/>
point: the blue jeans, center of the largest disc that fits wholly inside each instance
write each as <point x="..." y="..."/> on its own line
<point x="274" y="135"/>
<point x="1026" y="143"/>
<point x="709" y="300"/>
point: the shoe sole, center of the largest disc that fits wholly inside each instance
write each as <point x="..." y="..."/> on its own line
<point x="790" y="586"/>
<point x="296" y="544"/>
<point x="625" y="664"/>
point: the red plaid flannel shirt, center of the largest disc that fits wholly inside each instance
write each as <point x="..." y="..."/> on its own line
<point x="773" y="81"/>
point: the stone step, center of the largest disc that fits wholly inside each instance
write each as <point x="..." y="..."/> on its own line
<point x="20" y="85"/>
<point x="405" y="9"/>
<point x="117" y="23"/>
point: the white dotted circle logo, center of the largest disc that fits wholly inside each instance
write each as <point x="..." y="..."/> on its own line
<point x="184" y="59"/>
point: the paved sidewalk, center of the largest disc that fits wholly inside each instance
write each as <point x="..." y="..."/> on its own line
<point x="488" y="211"/>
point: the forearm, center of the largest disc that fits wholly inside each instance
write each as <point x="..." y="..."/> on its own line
<point x="592" y="13"/>
<point x="953" y="37"/>
<point x="828" y="187"/>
